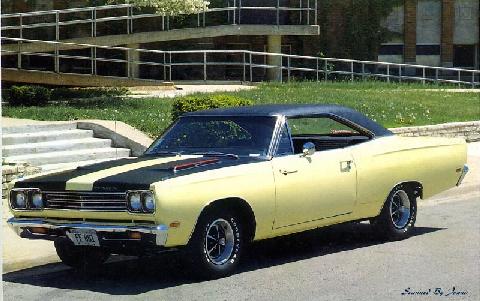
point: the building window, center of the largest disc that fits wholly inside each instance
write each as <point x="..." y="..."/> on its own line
<point x="428" y="49"/>
<point x="464" y="56"/>
<point x="391" y="49"/>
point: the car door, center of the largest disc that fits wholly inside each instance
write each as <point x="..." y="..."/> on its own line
<point x="312" y="188"/>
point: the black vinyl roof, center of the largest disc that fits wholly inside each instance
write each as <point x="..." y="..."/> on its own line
<point x="301" y="110"/>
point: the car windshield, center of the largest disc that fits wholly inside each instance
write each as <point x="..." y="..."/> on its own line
<point x="217" y="135"/>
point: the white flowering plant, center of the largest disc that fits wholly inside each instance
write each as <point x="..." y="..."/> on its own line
<point x="170" y="7"/>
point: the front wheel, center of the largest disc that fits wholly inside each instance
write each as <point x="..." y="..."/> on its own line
<point x="216" y="244"/>
<point x="397" y="218"/>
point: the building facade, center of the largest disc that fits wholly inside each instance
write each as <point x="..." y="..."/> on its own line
<point x="434" y="33"/>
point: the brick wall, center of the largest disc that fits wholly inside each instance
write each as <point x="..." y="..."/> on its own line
<point x="410" y="31"/>
<point x="470" y="131"/>
<point x="448" y="21"/>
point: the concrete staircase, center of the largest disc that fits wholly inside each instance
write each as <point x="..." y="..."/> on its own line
<point x="56" y="146"/>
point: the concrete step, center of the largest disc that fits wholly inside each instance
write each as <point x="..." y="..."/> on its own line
<point x="54" y="146"/>
<point x="63" y="166"/>
<point x="44" y="136"/>
<point x="38" y="128"/>
<point x="71" y="156"/>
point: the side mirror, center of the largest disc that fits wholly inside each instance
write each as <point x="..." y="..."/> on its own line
<point x="308" y="149"/>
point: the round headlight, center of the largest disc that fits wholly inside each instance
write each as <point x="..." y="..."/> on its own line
<point x="37" y="200"/>
<point x="135" y="201"/>
<point x="21" y="200"/>
<point x="149" y="202"/>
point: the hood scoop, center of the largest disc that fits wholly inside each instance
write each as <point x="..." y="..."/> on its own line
<point x="198" y="163"/>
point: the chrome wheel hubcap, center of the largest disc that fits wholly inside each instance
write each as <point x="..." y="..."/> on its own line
<point x="400" y="209"/>
<point x="219" y="241"/>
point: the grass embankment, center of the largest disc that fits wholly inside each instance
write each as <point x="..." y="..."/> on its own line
<point x="392" y="105"/>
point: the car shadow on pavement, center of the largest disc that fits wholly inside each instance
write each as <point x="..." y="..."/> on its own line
<point x="136" y="276"/>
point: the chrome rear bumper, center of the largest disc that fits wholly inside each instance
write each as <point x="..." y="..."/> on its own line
<point x="22" y="225"/>
<point x="463" y="174"/>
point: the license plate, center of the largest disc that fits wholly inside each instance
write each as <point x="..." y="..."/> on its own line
<point x="81" y="237"/>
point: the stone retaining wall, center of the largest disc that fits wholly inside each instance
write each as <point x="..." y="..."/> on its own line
<point x="470" y="131"/>
<point x="13" y="171"/>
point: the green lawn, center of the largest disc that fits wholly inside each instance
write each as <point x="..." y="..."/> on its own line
<point x="392" y="105"/>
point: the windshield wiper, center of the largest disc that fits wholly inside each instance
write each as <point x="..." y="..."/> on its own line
<point x="216" y="154"/>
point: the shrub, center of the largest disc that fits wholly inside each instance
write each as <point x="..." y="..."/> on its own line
<point x="204" y="102"/>
<point x="69" y="93"/>
<point x="29" y="96"/>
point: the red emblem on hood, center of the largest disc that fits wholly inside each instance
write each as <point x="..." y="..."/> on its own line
<point x="194" y="164"/>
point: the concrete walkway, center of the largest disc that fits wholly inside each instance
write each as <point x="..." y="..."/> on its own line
<point x="20" y="253"/>
<point x="182" y="90"/>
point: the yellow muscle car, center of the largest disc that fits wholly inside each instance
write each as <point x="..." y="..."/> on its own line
<point x="217" y="180"/>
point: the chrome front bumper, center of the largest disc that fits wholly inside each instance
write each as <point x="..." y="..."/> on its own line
<point x="463" y="174"/>
<point x="20" y="225"/>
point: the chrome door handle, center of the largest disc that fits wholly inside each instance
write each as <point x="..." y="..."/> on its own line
<point x="346" y="166"/>
<point x="287" y="172"/>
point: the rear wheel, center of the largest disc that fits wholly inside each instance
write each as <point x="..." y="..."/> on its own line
<point x="397" y="218"/>
<point x="81" y="258"/>
<point x="216" y="245"/>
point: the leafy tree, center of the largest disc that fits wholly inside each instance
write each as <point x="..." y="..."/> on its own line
<point x="169" y="7"/>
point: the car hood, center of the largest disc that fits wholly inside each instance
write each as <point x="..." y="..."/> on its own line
<point x="128" y="174"/>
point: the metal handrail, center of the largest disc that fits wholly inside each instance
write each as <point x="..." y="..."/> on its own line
<point x="130" y="16"/>
<point x="320" y="64"/>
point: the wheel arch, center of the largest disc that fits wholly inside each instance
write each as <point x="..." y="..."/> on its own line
<point x="237" y="205"/>
<point x="416" y="187"/>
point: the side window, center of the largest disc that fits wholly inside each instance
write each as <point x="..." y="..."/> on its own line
<point x="285" y="144"/>
<point x="319" y="126"/>
<point x="326" y="133"/>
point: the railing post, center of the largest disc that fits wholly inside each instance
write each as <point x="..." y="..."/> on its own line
<point x="251" y="66"/>
<point x="234" y="11"/>
<point x="278" y="12"/>
<point x="168" y="22"/>
<point x="308" y="12"/>
<point x="205" y="66"/>
<point x="400" y="73"/>
<point x="163" y="22"/>
<point x="473" y="79"/>
<point x="204" y="12"/>
<point x="300" y="12"/>
<point x="19" y="55"/>
<point x="363" y="71"/>
<point x="128" y="20"/>
<point x="20" y="20"/>
<point x="316" y="12"/>
<point x="351" y="71"/>
<point x="388" y="73"/>
<point x="288" y="69"/>
<point x="244" y="67"/>
<point x="170" y="65"/>
<point x="318" y="71"/>
<point x="198" y="19"/>
<point x="94" y="22"/>
<point x="325" y="69"/>
<point x="239" y="12"/>
<point x="164" y="66"/>
<point x="57" y="38"/>
<point x="94" y="60"/>
<point x="281" y="68"/>
<point x="423" y="75"/>
<point x="436" y="77"/>
<point x="129" y="61"/>
<point x="459" y="78"/>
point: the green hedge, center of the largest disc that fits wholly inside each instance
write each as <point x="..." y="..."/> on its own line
<point x="204" y="102"/>
<point x="29" y="96"/>
<point x="69" y="93"/>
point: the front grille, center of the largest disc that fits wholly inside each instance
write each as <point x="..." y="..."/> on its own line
<point x="86" y="201"/>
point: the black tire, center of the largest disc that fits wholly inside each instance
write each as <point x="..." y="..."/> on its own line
<point x="199" y="257"/>
<point x="83" y="259"/>
<point x="392" y="226"/>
